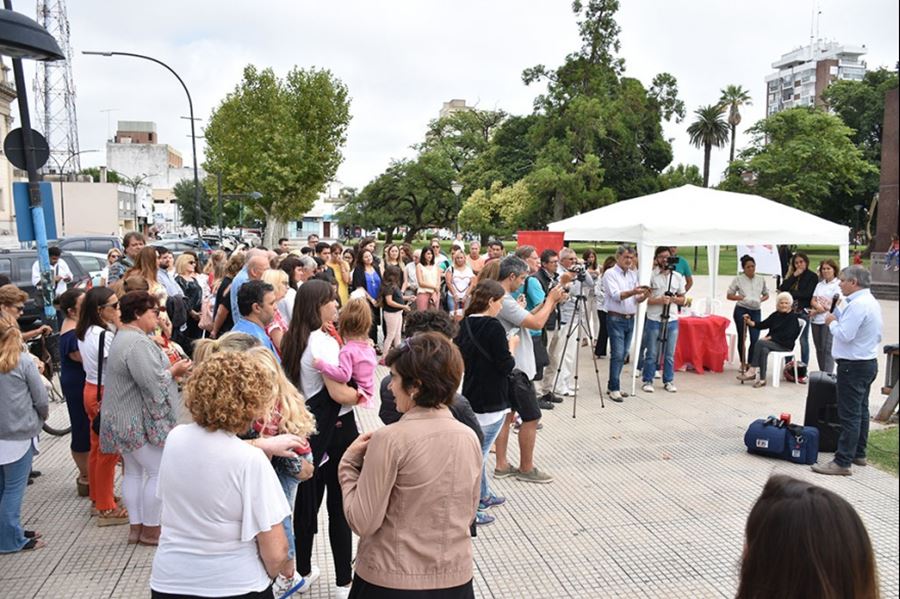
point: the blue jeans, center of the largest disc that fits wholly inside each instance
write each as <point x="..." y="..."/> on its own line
<point x="853" y="381"/>
<point x="620" y="332"/>
<point x="13" y="480"/>
<point x="755" y="316"/>
<point x="289" y="486"/>
<point x="491" y="432"/>
<point x="652" y="330"/>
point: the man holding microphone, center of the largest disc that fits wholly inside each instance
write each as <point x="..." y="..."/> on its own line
<point x="856" y="328"/>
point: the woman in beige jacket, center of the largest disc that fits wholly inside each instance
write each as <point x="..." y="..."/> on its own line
<point x="413" y="502"/>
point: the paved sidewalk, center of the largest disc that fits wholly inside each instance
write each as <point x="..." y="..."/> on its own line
<point x="650" y="500"/>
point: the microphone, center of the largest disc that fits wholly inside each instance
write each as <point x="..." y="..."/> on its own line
<point x="834" y="301"/>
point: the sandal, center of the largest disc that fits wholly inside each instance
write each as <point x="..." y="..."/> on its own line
<point x="33" y="544"/>
<point x="759" y="384"/>
<point x="113" y="517"/>
<point x="31" y="534"/>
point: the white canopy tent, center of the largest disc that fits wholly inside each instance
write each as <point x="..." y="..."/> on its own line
<point x="689" y="216"/>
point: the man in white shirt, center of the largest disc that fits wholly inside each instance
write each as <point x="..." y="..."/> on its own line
<point x="62" y="275"/>
<point x="568" y="261"/>
<point x="667" y="288"/>
<point x="623" y="294"/>
<point x="856" y="328"/>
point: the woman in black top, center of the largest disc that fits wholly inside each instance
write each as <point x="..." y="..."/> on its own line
<point x="223" y="321"/>
<point x="783" y="325"/>
<point x="801" y="284"/>
<point x="488" y="359"/>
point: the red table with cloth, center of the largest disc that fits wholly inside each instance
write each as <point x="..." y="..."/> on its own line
<point x="701" y="343"/>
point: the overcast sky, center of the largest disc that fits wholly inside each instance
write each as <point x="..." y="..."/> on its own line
<point x="402" y="59"/>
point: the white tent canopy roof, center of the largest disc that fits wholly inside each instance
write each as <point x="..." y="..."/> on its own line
<point x="690" y="215"/>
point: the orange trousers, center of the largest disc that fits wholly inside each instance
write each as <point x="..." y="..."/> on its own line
<point x="101" y="466"/>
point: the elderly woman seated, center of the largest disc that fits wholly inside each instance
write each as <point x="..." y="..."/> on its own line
<point x="413" y="502"/>
<point x="784" y="327"/>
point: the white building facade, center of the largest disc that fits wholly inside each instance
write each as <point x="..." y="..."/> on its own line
<point x="803" y="74"/>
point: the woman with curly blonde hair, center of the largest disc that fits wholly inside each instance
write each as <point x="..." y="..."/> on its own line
<point x="222" y="502"/>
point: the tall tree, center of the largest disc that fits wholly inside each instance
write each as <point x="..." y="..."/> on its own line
<point x="676" y="176"/>
<point x="708" y="131"/>
<point x="184" y="198"/>
<point x="733" y="97"/>
<point x="802" y="157"/>
<point x="281" y="138"/>
<point x="94" y="171"/>
<point x="593" y="117"/>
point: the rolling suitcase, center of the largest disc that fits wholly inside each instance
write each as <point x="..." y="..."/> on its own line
<point x="821" y="409"/>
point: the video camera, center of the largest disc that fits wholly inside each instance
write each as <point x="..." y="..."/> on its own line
<point x="671" y="262"/>
<point x="580" y="272"/>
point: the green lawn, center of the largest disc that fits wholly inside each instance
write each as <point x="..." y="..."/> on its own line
<point x="882" y="449"/>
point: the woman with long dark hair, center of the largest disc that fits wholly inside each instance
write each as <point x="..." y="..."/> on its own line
<point x="801" y="284"/>
<point x="821" y="304"/>
<point x="97" y="320"/>
<point x="367" y="279"/>
<point x="428" y="278"/>
<point x="332" y="404"/>
<point x="488" y="357"/>
<point x="71" y="381"/>
<point x="805" y="541"/>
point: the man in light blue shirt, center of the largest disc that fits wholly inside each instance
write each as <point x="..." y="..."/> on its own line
<point x="256" y="302"/>
<point x="253" y="270"/>
<point x="856" y="328"/>
<point x="164" y="275"/>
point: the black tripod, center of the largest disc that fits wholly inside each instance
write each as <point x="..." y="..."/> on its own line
<point x="663" y="339"/>
<point x="580" y="322"/>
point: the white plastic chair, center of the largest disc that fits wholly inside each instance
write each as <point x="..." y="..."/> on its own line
<point x="778" y="358"/>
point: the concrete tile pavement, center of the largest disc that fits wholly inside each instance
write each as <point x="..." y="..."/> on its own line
<point x="650" y="500"/>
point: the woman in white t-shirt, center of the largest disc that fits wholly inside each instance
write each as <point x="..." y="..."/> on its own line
<point x="222" y="502"/>
<point x="819" y="306"/>
<point x="459" y="284"/>
<point x="311" y="336"/>
<point x="98" y="317"/>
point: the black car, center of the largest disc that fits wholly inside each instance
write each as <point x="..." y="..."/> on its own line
<point x="98" y="244"/>
<point x="17" y="264"/>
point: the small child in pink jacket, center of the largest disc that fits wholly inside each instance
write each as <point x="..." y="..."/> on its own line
<point x="357" y="360"/>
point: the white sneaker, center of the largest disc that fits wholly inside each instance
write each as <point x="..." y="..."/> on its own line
<point x="283" y="584"/>
<point x="307" y="582"/>
<point x="658" y="375"/>
<point x="616" y="396"/>
<point x="647" y="388"/>
<point x="670" y="387"/>
<point x="341" y="592"/>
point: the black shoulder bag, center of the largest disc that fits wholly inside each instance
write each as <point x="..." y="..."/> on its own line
<point x="95" y="423"/>
<point x="521" y="390"/>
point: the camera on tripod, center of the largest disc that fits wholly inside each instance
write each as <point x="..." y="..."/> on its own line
<point x="580" y="272"/>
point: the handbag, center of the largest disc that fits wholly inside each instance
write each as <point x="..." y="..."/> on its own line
<point x="773" y="438"/>
<point x="95" y="423"/>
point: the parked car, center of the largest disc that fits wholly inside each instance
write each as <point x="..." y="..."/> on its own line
<point x="92" y="262"/>
<point x="16" y="264"/>
<point x="98" y="244"/>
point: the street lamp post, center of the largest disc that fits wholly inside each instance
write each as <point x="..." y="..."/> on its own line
<point x="191" y="116"/>
<point x="20" y="37"/>
<point x="457" y="189"/>
<point x="62" y="178"/>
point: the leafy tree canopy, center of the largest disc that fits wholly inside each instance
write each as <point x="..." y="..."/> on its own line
<point x="800" y="157"/>
<point x="676" y="176"/>
<point x="94" y="171"/>
<point x="279" y="137"/>
<point x="184" y="198"/>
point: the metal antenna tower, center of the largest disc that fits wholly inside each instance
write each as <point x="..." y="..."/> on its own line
<point x="54" y="92"/>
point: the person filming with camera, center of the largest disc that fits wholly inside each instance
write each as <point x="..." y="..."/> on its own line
<point x="667" y="289"/>
<point x="578" y="284"/>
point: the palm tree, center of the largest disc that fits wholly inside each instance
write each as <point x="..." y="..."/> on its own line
<point x="733" y="97"/>
<point x="709" y="130"/>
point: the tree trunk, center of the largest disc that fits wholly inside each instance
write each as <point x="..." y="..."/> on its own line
<point x="485" y="238"/>
<point x="733" y="132"/>
<point x="707" y="152"/>
<point x="389" y="236"/>
<point x="559" y="206"/>
<point x="410" y="235"/>
<point x="275" y="229"/>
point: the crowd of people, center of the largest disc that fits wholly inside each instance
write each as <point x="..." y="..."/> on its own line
<point x="270" y="353"/>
